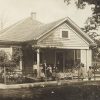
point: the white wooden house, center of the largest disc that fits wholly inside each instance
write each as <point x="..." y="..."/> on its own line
<point x="61" y="43"/>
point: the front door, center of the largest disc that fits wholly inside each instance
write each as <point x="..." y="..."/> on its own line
<point x="59" y="61"/>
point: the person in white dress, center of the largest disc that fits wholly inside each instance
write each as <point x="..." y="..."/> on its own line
<point x="82" y="72"/>
<point x="90" y="73"/>
<point x="35" y="68"/>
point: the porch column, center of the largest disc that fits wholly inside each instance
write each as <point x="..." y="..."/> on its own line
<point x="20" y="62"/>
<point x="10" y="53"/>
<point x="74" y="57"/>
<point x="84" y="57"/>
<point x="89" y="58"/>
<point x="38" y="62"/>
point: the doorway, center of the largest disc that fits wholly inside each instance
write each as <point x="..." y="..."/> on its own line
<point x="59" y="61"/>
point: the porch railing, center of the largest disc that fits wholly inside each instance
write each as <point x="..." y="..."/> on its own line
<point x="16" y="77"/>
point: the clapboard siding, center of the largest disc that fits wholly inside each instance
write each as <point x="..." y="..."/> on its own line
<point x="54" y="38"/>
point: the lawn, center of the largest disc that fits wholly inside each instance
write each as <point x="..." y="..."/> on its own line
<point x="86" y="91"/>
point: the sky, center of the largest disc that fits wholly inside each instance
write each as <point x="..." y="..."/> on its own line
<point x="47" y="11"/>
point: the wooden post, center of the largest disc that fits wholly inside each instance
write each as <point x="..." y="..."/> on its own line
<point x="45" y="71"/>
<point x="4" y="74"/>
<point x="38" y="62"/>
<point x="63" y="61"/>
<point x="55" y="59"/>
<point x="95" y="69"/>
<point x="94" y="73"/>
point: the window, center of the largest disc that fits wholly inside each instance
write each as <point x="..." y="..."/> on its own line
<point x="65" y="34"/>
<point x="77" y="56"/>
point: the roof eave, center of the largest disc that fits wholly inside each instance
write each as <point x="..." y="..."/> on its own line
<point x="91" y="41"/>
<point x="87" y="38"/>
<point x="15" y="42"/>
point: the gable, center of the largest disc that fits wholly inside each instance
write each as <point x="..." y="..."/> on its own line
<point x="54" y="39"/>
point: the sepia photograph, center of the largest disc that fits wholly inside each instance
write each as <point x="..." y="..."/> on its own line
<point x="49" y="49"/>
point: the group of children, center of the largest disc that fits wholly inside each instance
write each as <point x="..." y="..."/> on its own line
<point x="45" y="71"/>
<point x="48" y="71"/>
<point x="82" y="72"/>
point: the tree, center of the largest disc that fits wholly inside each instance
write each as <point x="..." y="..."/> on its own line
<point x="17" y="54"/>
<point x="5" y="63"/>
<point x="92" y="23"/>
<point x="3" y="57"/>
<point x="4" y="60"/>
<point x="82" y="3"/>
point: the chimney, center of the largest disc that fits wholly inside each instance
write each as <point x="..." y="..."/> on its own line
<point x="33" y="15"/>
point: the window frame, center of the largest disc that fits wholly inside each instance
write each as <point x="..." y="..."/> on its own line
<point x="61" y="34"/>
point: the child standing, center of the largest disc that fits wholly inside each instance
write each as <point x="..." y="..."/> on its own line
<point x="90" y="73"/>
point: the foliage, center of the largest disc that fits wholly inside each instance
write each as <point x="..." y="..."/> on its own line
<point x="96" y="9"/>
<point x="92" y="23"/>
<point x="4" y="61"/>
<point x="16" y="54"/>
<point x="3" y="56"/>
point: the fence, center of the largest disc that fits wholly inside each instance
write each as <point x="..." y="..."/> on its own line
<point x="16" y="77"/>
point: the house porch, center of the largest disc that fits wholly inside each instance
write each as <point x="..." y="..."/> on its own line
<point x="60" y="58"/>
<point x="63" y="59"/>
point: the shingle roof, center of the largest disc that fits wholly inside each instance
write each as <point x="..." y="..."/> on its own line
<point x="29" y="30"/>
<point x="20" y="31"/>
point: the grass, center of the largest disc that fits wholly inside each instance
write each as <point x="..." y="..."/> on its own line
<point x="79" y="91"/>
